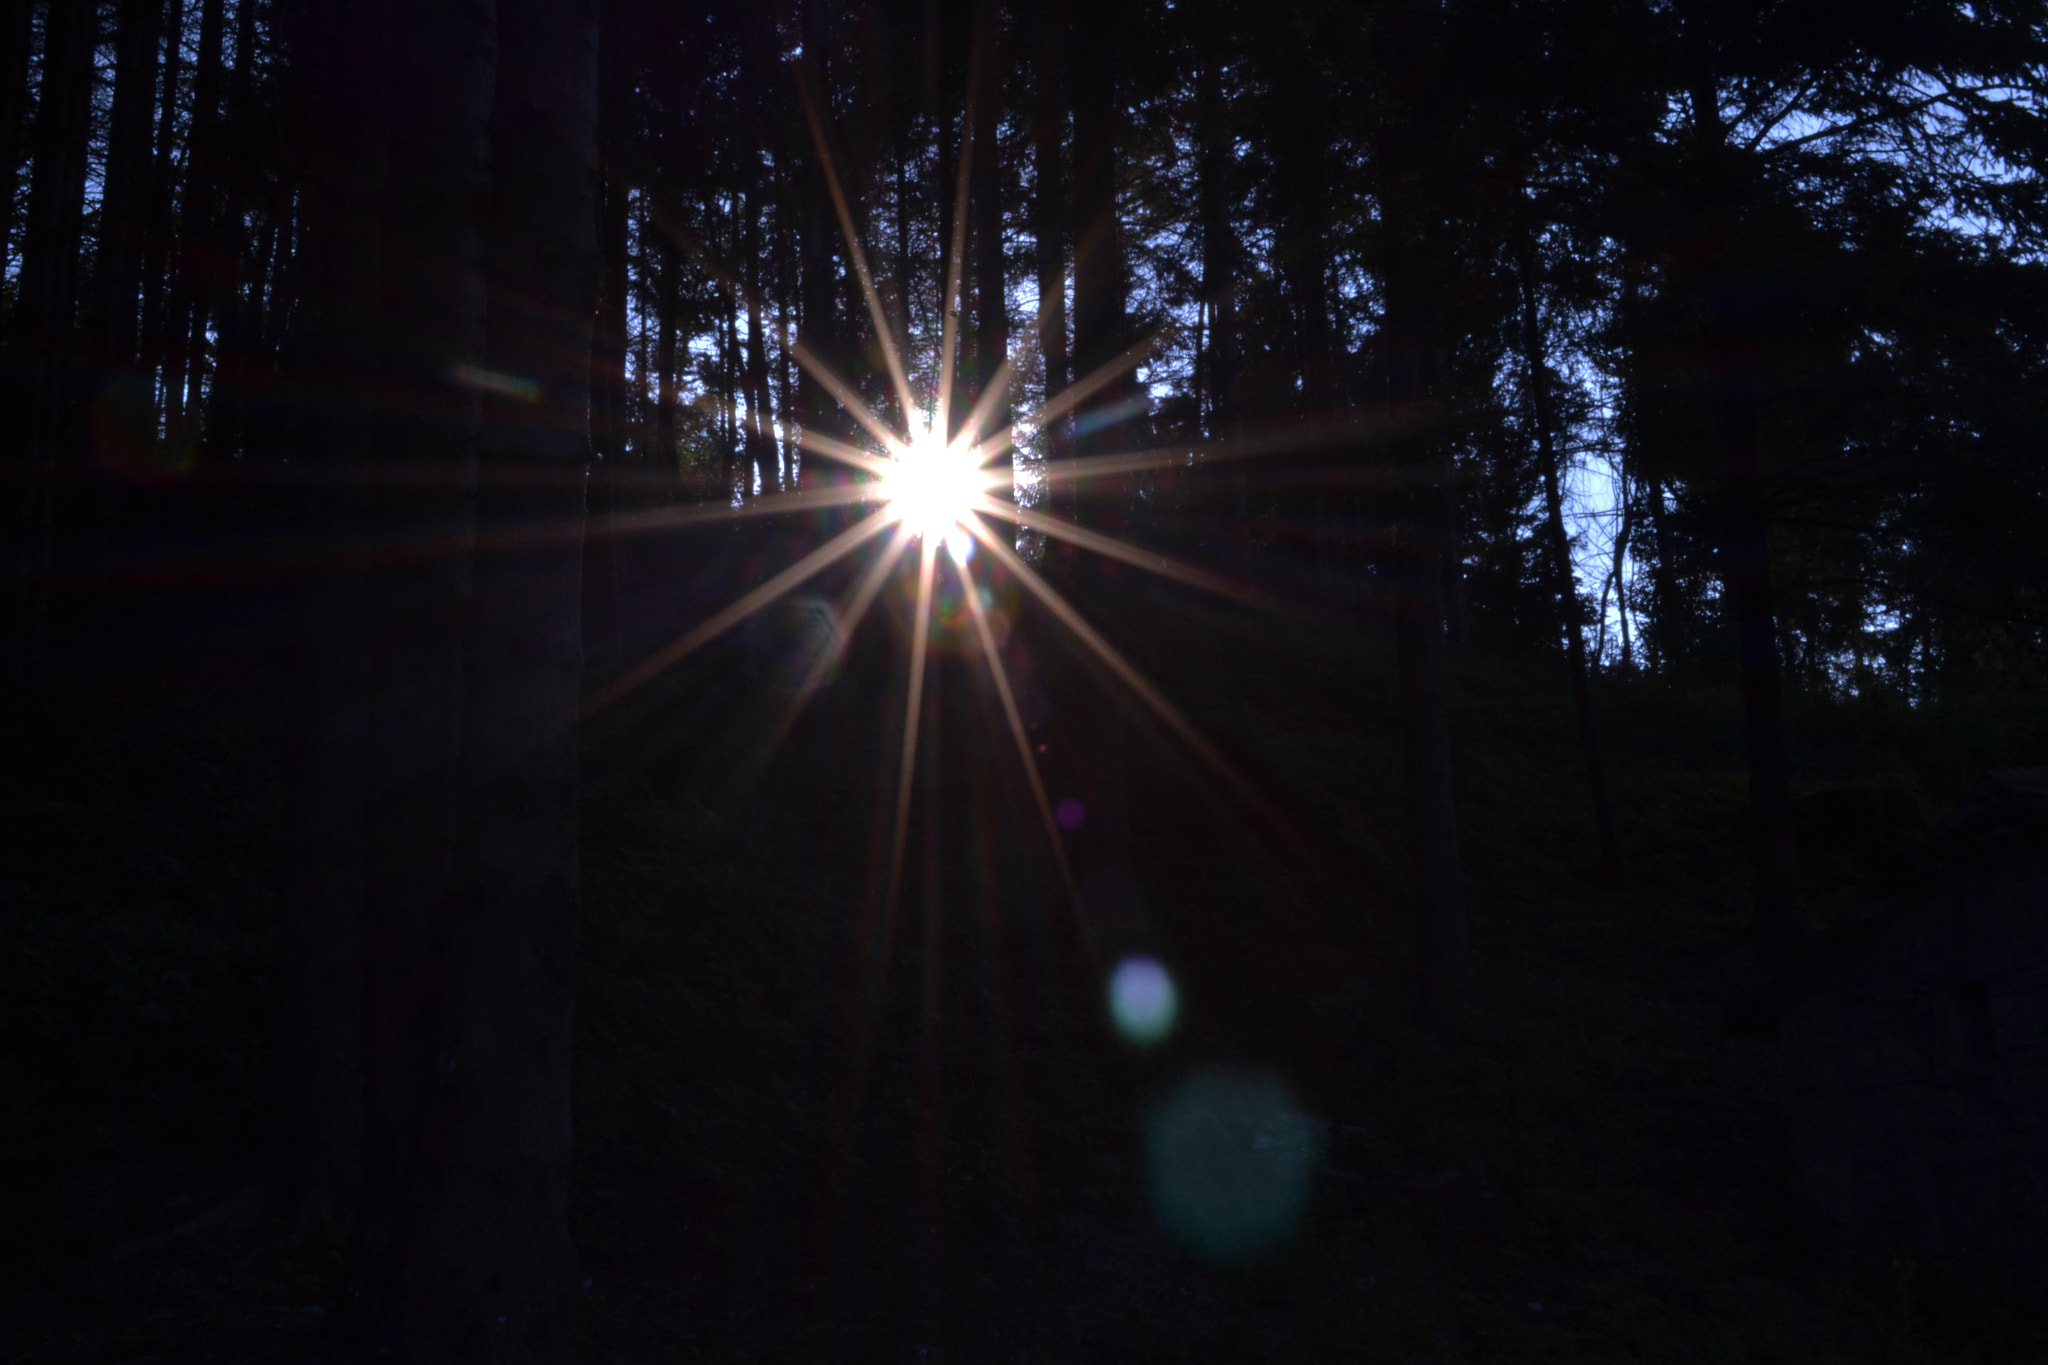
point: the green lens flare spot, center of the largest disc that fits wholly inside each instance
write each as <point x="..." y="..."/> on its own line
<point x="1143" y="1000"/>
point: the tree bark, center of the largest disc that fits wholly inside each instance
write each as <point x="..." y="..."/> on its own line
<point x="817" y="327"/>
<point x="1563" y="583"/>
<point x="761" y="453"/>
<point x="1049" y="218"/>
<point x="236" y="271"/>
<point x="16" y="36"/>
<point x="499" y="1220"/>
<point x="608" y="417"/>
<point x="117" y="275"/>
<point x="123" y="407"/>
<point x="668" y="303"/>
<point x="991" y="311"/>
<point x="161" y="237"/>
<point x="1214" y="166"/>
<point x="192" y="285"/>
<point x="336" y="118"/>
<point x="404" y="1293"/>
<point x="1745" y="553"/>
<point x="42" y="351"/>
<point x="1412" y="286"/>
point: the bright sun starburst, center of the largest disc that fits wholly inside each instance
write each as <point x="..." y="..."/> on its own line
<point x="941" y="483"/>
<point x="934" y="485"/>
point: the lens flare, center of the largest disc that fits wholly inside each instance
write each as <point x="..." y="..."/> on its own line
<point x="1143" y="1000"/>
<point x="1232" y="1159"/>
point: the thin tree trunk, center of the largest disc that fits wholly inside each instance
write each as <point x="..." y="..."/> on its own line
<point x="118" y="271"/>
<point x="667" y="303"/>
<point x="1664" y="605"/>
<point x="1412" y="287"/>
<point x="1563" y="583"/>
<point x="42" y="347"/>
<point x="608" y="419"/>
<point x="1104" y="859"/>
<point x="992" y="312"/>
<point x="123" y="402"/>
<point x="160" y="239"/>
<point x="234" y="269"/>
<point x="817" y="327"/>
<point x="1617" y="576"/>
<point x="16" y="37"/>
<point x="1214" y="166"/>
<point x="192" y="284"/>
<point x="1746" y="568"/>
<point x="1049" y="220"/>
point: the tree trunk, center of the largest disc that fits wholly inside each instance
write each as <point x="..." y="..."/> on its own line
<point x="335" y="125"/>
<point x="193" y="283"/>
<point x="1049" y="219"/>
<point x="487" y="1264"/>
<point x="667" y="303"/>
<point x="1214" y="166"/>
<point x="608" y="418"/>
<point x="817" y="327"/>
<point x="1746" y="558"/>
<point x="117" y="275"/>
<point x="1413" y="288"/>
<point x="16" y="37"/>
<point x="430" y="334"/>
<point x="123" y="406"/>
<point x="42" y="350"/>
<point x="760" y="426"/>
<point x="1104" y="861"/>
<point x="1563" y="582"/>
<point x="235" y="271"/>
<point x="992" y="312"/>
<point x="159" y="240"/>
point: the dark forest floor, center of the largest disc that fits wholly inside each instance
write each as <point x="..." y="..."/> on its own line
<point x="794" y="1147"/>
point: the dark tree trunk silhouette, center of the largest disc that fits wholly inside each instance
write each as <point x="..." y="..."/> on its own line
<point x="761" y="453"/>
<point x="430" y="371"/>
<point x="42" y="350"/>
<point x="336" y="117"/>
<point x="1049" y="217"/>
<point x="160" y="240"/>
<point x="1745" y="550"/>
<point x="1563" y="585"/>
<point x="1412" y="285"/>
<point x="491" y="1231"/>
<point x="817" y="327"/>
<point x="237" y="270"/>
<point x="668" y="302"/>
<point x="991" y="305"/>
<point x="122" y="406"/>
<point x="192" y="284"/>
<point x="16" y="37"/>
<point x="1218" y="355"/>
<point x="608" y="417"/>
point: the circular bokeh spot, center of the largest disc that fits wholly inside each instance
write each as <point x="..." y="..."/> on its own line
<point x="1070" y="813"/>
<point x="1230" y="1159"/>
<point x="1143" y="1000"/>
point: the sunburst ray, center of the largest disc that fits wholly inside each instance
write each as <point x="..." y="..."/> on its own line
<point x="812" y="564"/>
<point x="1000" y="673"/>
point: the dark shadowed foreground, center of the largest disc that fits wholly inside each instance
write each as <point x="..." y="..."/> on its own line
<point x="807" y="1130"/>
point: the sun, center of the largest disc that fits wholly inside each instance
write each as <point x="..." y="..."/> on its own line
<point x="933" y="485"/>
<point x="942" y="479"/>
